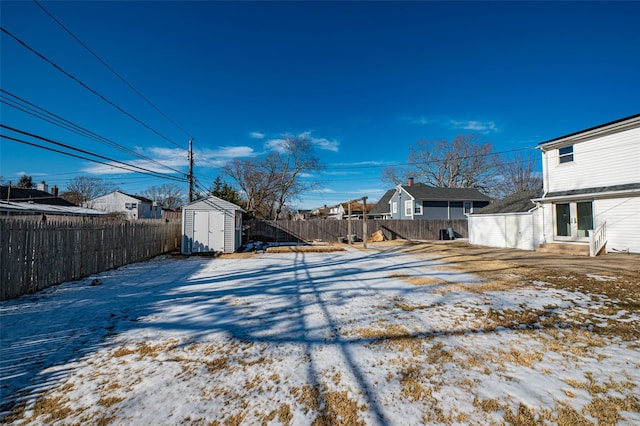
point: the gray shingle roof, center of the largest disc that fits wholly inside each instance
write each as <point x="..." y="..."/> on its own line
<point x="514" y="203"/>
<point x="420" y="191"/>
<point x="23" y="195"/>
<point x="383" y="205"/>
<point x="601" y="189"/>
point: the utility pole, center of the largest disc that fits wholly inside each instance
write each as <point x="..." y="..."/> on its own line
<point x="364" y="221"/>
<point x="190" y="175"/>
<point x="349" y="237"/>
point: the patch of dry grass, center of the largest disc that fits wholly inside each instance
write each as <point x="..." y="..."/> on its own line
<point x="283" y="413"/>
<point x="51" y="407"/>
<point x="412" y="279"/>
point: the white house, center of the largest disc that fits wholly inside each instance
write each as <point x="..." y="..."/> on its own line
<point x="134" y="206"/>
<point x="592" y="187"/>
<point x="211" y="225"/>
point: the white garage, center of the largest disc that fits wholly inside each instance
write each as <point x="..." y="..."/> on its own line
<point x="514" y="222"/>
<point x="211" y="225"/>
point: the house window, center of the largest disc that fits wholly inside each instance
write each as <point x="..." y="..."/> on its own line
<point x="565" y="155"/>
<point x="395" y="207"/>
<point x="408" y="208"/>
<point x="130" y="206"/>
<point x="417" y="208"/>
<point x="468" y="207"/>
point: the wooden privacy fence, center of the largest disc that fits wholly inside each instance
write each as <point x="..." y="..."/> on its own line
<point x="36" y="254"/>
<point x="335" y="230"/>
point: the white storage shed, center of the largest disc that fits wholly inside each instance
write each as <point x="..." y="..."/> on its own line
<point x="211" y="225"/>
<point x="514" y="222"/>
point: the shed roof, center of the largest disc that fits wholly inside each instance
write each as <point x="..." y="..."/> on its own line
<point x="519" y="202"/>
<point x="213" y="202"/>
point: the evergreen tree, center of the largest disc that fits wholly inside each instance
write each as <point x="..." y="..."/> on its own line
<point x="26" y="182"/>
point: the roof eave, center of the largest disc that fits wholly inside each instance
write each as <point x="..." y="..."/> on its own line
<point x="601" y="130"/>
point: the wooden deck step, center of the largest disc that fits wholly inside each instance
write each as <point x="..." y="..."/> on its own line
<point x="572" y="249"/>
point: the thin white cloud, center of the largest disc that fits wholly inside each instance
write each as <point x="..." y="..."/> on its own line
<point x="473" y="125"/>
<point x="323" y="191"/>
<point x="476" y="126"/>
<point x="277" y="145"/>
<point x="326" y="144"/>
<point x="228" y="152"/>
<point x="20" y="174"/>
<point x="257" y="135"/>
<point x="418" y="121"/>
<point x="171" y="158"/>
<point x="361" y="163"/>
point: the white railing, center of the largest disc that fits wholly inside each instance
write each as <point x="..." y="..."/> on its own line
<point x="597" y="239"/>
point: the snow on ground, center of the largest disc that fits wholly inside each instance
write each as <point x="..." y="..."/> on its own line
<point x="354" y="337"/>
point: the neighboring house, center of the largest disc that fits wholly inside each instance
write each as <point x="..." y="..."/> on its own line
<point x="420" y="201"/>
<point x="592" y="186"/>
<point x="340" y="211"/>
<point x="301" y="215"/>
<point x="319" y="213"/>
<point x="513" y="222"/>
<point x="382" y="209"/>
<point x="134" y="206"/>
<point x="21" y="201"/>
<point x="211" y="225"/>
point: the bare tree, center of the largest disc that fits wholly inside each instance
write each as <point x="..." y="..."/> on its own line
<point x="297" y="157"/>
<point x="519" y="172"/>
<point x="273" y="181"/>
<point x="394" y="176"/>
<point x="169" y="196"/>
<point x="255" y="183"/>
<point x="83" y="189"/>
<point x="464" y="162"/>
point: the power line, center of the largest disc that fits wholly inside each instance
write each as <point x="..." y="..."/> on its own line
<point x="111" y="69"/>
<point x="75" y="156"/>
<point x="127" y="167"/>
<point x="80" y="82"/>
<point x="34" y="110"/>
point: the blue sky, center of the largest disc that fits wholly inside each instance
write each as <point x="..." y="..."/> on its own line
<point x="365" y="80"/>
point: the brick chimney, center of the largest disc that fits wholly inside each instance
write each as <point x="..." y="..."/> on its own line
<point x="410" y="181"/>
<point x="54" y="190"/>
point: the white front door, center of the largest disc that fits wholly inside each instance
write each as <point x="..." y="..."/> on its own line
<point x="208" y="231"/>
<point x="573" y="221"/>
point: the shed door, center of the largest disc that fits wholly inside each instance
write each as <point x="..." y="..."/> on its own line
<point x="208" y="231"/>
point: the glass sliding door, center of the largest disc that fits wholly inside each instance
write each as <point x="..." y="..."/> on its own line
<point x="585" y="218"/>
<point x="573" y="221"/>
<point x="563" y="220"/>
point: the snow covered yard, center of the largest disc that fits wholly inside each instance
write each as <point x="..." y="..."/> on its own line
<point x="382" y="336"/>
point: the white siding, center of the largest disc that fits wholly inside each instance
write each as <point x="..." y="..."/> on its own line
<point x="115" y="202"/>
<point x="609" y="160"/>
<point x="231" y="213"/>
<point x="623" y="222"/>
<point x="487" y="230"/>
<point x="510" y="230"/>
<point x="547" y="222"/>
